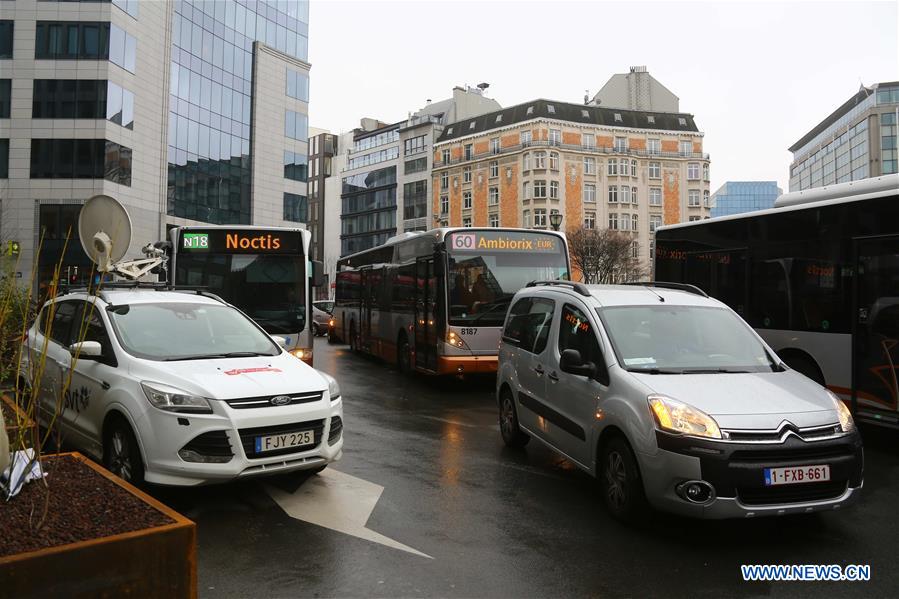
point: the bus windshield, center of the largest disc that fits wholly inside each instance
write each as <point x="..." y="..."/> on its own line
<point x="481" y="282"/>
<point x="268" y="288"/>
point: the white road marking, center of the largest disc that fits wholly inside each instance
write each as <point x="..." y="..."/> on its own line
<point x="340" y="502"/>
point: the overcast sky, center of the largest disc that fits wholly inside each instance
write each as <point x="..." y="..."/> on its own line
<point x="757" y="76"/>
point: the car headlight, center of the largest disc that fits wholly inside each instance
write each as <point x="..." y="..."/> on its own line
<point x="302" y="353"/>
<point x="172" y="399"/>
<point x="845" y="416"/>
<point x="333" y="387"/>
<point x="677" y="417"/>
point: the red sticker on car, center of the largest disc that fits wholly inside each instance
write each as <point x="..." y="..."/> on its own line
<point x="250" y="370"/>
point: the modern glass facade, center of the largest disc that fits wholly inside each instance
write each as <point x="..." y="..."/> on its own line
<point x="210" y="107"/>
<point x="368" y="215"/>
<point x="736" y="197"/>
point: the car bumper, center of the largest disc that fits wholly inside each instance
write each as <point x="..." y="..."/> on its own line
<point x="467" y="364"/>
<point x="164" y="465"/>
<point x="736" y="473"/>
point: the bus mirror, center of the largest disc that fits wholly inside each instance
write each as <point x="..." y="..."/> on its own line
<point x="318" y="273"/>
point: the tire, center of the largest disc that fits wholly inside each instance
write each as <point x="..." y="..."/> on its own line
<point x="121" y="453"/>
<point x="403" y="355"/>
<point x="512" y="434"/>
<point x="619" y="479"/>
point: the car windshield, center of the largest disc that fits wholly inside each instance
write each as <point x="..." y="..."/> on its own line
<point x="186" y="331"/>
<point x="683" y="339"/>
<point x="325" y="306"/>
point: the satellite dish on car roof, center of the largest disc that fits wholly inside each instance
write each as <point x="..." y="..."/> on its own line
<point x="105" y="230"/>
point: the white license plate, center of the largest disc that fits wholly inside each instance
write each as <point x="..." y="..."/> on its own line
<point x="284" y="441"/>
<point x="793" y="475"/>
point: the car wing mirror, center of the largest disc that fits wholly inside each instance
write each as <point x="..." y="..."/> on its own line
<point x="86" y="349"/>
<point x="572" y="362"/>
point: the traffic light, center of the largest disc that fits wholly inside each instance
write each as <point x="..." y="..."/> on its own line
<point x="12" y="248"/>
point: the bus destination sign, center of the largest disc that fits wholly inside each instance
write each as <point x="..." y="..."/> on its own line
<point x="241" y="241"/>
<point x="490" y="242"/>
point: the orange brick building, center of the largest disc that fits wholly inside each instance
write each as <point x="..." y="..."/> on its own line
<point x="599" y="167"/>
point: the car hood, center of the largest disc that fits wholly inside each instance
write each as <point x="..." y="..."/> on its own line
<point x="750" y="401"/>
<point x="232" y="378"/>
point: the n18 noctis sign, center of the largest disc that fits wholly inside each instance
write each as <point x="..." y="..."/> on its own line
<point x="501" y="242"/>
<point x="240" y="241"/>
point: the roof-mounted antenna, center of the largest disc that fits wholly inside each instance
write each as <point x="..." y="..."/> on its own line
<point x="654" y="292"/>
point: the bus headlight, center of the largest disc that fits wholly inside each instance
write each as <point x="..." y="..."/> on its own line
<point x="845" y="416"/>
<point x="455" y="340"/>
<point x="677" y="417"/>
<point x="172" y="399"/>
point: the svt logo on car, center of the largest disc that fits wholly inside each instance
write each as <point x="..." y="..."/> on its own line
<point x="279" y="400"/>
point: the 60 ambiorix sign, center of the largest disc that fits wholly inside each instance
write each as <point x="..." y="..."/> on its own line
<point x="240" y="241"/>
<point x="495" y="241"/>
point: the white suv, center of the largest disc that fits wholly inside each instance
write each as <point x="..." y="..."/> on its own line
<point x="179" y="388"/>
<point x="668" y="397"/>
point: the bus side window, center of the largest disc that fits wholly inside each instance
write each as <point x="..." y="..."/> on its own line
<point x="769" y="303"/>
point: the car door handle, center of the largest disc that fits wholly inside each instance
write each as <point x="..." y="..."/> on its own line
<point x="554" y="377"/>
<point x="538" y="370"/>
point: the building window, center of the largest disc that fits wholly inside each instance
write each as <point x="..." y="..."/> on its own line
<point x="705" y="171"/>
<point x="530" y="110"/>
<point x="526" y="190"/>
<point x="295" y="166"/>
<point x="296" y="125"/>
<point x="539" y="160"/>
<point x="525" y="136"/>
<point x="633" y="222"/>
<point x="295" y="208"/>
<point x="6" y="98"/>
<point x="613" y="220"/>
<point x="6" y="31"/>
<point x="705" y="198"/>
<point x="655" y="221"/>
<point x="526" y="219"/>
<point x="590" y="220"/>
<point x="526" y="161"/>
<point x="540" y="217"/>
<point x="444" y="180"/>
<point x="651" y="119"/>
<point x="82" y="99"/>
<point x="445" y="156"/>
<point x="621" y="144"/>
<point x="498" y="119"/>
<point x="613" y="194"/>
<point x="682" y="121"/>
<point x="613" y="166"/>
<point x="493" y="196"/>
<point x="550" y="109"/>
<point x="466" y="200"/>
<point x="539" y="189"/>
<point x="686" y="147"/>
<point x="635" y="247"/>
<point x="625" y="195"/>
<point x="653" y="147"/>
<point x="693" y="171"/>
<point x="589" y="166"/>
<point x="624" y="221"/>
<point x="466" y="174"/>
<point x="417" y="165"/>
<point x="554" y="190"/>
<point x="655" y="170"/>
<point x="693" y="219"/>
<point x="555" y="137"/>
<point x="373" y="141"/>
<point x="655" y="196"/>
<point x="493" y="220"/>
<point x="588" y="140"/>
<point x="693" y="198"/>
<point x="444" y="204"/>
<point x="590" y="193"/>
<point x="494" y="145"/>
<point x="80" y="159"/>
<point x="466" y="222"/>
<point x="469" y="153"/>
<point x="298" y="85"/>
<point x="633" y="168"/>
<point x="4" y="158"/>
<point x="415" y="199"/>
<point x="553" y="161"/>
<point x="494" y="169"/>
<point x="373" y="158"/>
<point x="414" y="145"/>
<point x="617" y="117"/>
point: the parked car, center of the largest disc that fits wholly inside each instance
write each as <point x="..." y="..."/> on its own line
<point x="179" y="388"/>
<point x="670" y="399"/>
<point x="321" y="316"/>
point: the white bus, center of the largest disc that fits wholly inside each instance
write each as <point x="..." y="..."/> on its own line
<point x="435" y="301"/>
<point x="263" y="271"/>
<point x="818" y="278"/>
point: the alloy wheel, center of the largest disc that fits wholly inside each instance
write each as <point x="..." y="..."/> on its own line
<point x="120" y="462"/>
<point x="616" y="479"/>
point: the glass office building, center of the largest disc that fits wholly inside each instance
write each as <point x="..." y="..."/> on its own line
<point x="736" y="197"/>
<point x="211" y="103"/>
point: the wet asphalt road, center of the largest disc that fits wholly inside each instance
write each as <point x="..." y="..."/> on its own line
<point x="500" y="523"/>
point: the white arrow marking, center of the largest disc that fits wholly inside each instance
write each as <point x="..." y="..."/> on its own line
<point x="340" y="502"/>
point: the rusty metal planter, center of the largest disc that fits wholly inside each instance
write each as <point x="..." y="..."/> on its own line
<point x="153" y="562"/>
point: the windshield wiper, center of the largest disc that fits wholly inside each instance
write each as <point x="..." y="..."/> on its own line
<point x="233" y="354"/>
<point x="714" y="371"/>
<point x="655" y="371"/>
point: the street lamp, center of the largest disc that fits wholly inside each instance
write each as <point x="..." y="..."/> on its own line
<point x="555" y="219"/>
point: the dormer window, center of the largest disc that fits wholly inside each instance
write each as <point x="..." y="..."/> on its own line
<point x="585" y="114"/>
<point x="449" y="131"/>
<point x="682" y="121"/>
<point x="499" y="118"/>
<point x="617" y="117"/>
<point x="530" y="110"/>
<point x="472" y="125"/>
<point x="651" y="120"/>
<point x="551" y="109"/>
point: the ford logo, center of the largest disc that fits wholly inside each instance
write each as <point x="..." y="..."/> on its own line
<point x="280" y="400"/>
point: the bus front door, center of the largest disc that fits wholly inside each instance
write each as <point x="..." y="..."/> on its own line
<point x="876" y="339"/>
<point x="425" y="327"/>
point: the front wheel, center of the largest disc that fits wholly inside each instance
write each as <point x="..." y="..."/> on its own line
<point x="512" y="434"/>
<point x="121" y="454"/>
<point x="619" y="477"/>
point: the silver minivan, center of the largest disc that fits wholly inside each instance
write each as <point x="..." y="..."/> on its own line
<point x="672" y="401"/>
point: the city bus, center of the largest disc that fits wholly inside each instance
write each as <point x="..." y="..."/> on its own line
<point x="435" y="301"/>
<point x="817" y="276"/>
<point x="263" y="271"/>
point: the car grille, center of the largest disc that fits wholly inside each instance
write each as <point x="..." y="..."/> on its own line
<point x="336" y="429"/>
<point x="213" y="443"/>
<point x="784" y="431"/>
<point x="791" y="493"/>
<point x="264" y="401"/>
<point x="768" y="457"/>
<point x="248" y="437"/>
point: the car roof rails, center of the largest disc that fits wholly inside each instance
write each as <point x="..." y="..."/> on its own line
<point x="577" y="287"/>
<point x="676" y="286"/>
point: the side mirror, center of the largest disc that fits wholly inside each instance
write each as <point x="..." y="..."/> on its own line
<point x="318" y="273"/>
<point x="86" y="349"/>
<point x="571" y="361"/>
<point x="281" y="341"/>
